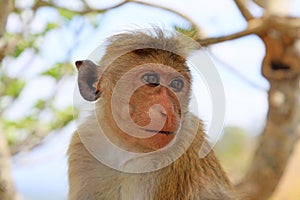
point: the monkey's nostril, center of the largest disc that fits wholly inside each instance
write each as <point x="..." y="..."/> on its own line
<point x="163" y="113"/>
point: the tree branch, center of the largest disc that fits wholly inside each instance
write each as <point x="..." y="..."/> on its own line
<point x="261" y="3"/>
<point x="244" y="10"/>
<point x="7" y="188"/>
<point x="89" y="9"/>
<point x="5" y="9"/>
<point x="7" y="47"/>
<point x="40" y="4"/>
<point x="251" y="30"/>
<point x="289" y="23"/>
<point x="84" y="11"/>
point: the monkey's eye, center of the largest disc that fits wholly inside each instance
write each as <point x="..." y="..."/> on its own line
<point x="177" y="84"/>
<point x="151" y="79"/>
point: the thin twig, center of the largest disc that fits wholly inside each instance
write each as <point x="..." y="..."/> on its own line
<point x="214" y="40"/>
<point x="261" y="3"/>
<point x="85" y="10"/>
<point x="40" y="4"/>
<point x="89" y="9"/>
<point x="244" y="10"/>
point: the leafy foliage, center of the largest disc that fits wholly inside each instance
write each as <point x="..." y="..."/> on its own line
<point x="15" y="87"/>
<point x="192" y="32"/>
<point x="67" y="14"/>
<point x="44" y="116"/>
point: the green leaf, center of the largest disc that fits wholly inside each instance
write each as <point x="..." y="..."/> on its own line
<point x="16" y="130"/>
<point x="68" y="14"/>
<point x="63" y="117"/>
<point x="18" y="52"/>
<point x="192" y="32"/>
<point x="15" y="87"/>
<point x="40" y="104"/>
<point x="59" y="70"/>
<point x="10" y="136"/>
<point x="51" y="26"/>
<point x="55" y="71"/>
<point x="20" y="48"/>
<point x="24" y="44"/>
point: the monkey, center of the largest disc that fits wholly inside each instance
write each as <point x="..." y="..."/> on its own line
<point x="154" y="66"/>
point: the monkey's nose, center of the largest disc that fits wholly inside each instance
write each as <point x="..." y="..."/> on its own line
<point x="163" y="113"/>
<point x="158" y="111"/>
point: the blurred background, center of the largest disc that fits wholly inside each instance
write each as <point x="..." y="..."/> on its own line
<point x="41" y="40"/>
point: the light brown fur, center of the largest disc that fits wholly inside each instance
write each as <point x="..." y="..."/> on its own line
<point x="187" y="178"/>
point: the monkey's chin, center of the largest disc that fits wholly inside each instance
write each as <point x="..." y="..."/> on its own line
<point x="158" y="139"/>
<point x="161" y="131"/>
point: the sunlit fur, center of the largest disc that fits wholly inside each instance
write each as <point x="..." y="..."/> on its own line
<point x="187" y="178"/>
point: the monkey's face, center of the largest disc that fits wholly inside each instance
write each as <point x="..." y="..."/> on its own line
<point x="150" y="100"/>
<point x="146" y="95"/>
<point x="158" y="99"/>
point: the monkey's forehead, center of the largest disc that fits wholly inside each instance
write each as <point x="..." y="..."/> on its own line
<point x="148" y="58"/>
<point x="159" y="68"/>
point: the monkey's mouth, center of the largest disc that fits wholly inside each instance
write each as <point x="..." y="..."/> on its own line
<point x="162" y="132"/>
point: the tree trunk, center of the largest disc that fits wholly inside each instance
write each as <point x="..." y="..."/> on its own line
<point x="281" y="67"/>
<point x="7" y="189"/>
<point x="276" y="142"/>
<point x="5" y="8"/>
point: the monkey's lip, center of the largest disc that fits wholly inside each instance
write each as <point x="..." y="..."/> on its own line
<point x="162" y="132"/>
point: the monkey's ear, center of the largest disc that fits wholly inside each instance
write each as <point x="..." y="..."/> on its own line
<point x="88" y="77"/>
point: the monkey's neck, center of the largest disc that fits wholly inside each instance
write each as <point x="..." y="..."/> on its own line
<point x="186" y="177"/>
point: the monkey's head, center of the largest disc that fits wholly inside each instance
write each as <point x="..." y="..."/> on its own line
<point x="143" y="93"/>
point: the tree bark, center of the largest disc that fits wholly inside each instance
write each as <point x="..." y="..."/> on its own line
<point x="5" y="8"/>
<point x="276" y="142"/>
<point x="7" y="189"/>
<point x="281" y="68"/>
